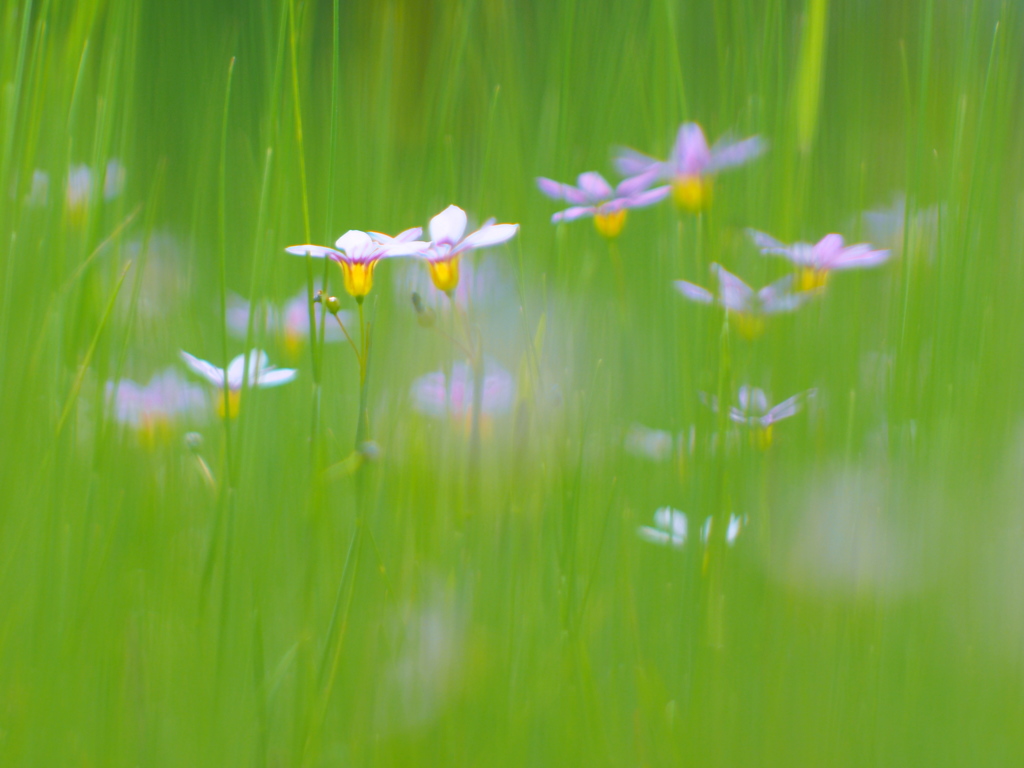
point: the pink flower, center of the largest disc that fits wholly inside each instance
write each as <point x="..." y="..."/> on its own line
<point x="152" y="409"/>
<point x="692" y="164"/>
<point x="437" y="394"/>
<point x="749" y="306"/>
<point x="593" y="196"/>
<point x="818" y="260"/>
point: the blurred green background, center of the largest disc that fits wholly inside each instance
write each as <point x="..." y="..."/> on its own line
<point x="257" y="596"/>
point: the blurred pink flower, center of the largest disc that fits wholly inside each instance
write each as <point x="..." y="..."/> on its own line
<point x="437" y="394"/>
<point x="818" y="260"/>
<point x="749" y="306"/>
<point x="593" y="196"/>
<point x="153" y="409"/>
<point x="691" y="164"/>
<point x="288" y="322"/>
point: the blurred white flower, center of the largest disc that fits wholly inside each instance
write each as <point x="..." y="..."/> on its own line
<point x="259" y="373"/>
<point x="39" y="193"/>
<point x="732" y="530"/>
<point x="429" y="666"/>
<point x="670" y="528"/>
<point x="846" y="537"/>
<point x="887" y="226"/>
<point x="647" y="443"/>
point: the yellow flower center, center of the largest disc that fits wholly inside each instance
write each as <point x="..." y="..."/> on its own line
<point x="692" y="193"/>
<point x="610" y="225"/>
<point x="810" y="279"/>
<point x="761" y="437"/>
<point x="293" y="342"/>
<point x="234" y="399"/>
<point x="749" y="326"/>
<point x="154" y="430"/>
<point x="358" y="277"/>
<point x="444" y="273"/>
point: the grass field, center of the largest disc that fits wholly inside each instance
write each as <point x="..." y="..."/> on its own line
<point x="459" y="539"/>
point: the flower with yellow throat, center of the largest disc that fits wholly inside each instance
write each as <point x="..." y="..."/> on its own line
<point x="815" y="262"/>
<point x="152" y="411"/>
<point x="258" y="373"/>
<point x="449" y="242"/>
<point x="754" y="413"/>
<point x="593" y="196"/>
<point x="357" y="253"/>
<point x="692" y="165"/>
<point x="747" y="307"/>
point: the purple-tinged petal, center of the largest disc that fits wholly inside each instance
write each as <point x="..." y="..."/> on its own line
<point x="728" y="154"/>
<point x="732" y="292"/>
<point x="650" y="197"/>
<point x="558" y="191"/>
<point x="753" y="399"/>
<point x="629" y="162"/>
<point x="767" y="244"/>
<point x="637" y="184"/>
<point x="779" y="297"/>
<point x="571" y="214"/>
<point x="448" y="226"/>
<point x="594" y="186"/>
<point x="694" y="292"/>
<point x="690" y="153"/>
<point x="859" y="257"/>
<point x="788" y="407"/>
<point x="827" y="249"/>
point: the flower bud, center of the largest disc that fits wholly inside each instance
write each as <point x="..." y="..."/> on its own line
<point x="333" y="305"/>
<point x="194" y="441"/>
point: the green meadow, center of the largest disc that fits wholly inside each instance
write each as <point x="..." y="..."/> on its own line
<point x="518" y="525"/>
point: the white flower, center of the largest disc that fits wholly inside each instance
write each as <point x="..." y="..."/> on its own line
<point x="669" y="528"/>
<point x="258" y="374"/>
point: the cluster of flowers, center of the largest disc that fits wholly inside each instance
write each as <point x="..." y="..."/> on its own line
<point x="150" y="408"/>
<point x="690" y="171"/>
<point x="357" y="253"/>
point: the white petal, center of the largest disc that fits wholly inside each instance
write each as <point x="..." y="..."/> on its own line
<point x="210" y="372"/>
<point x="275" y="377"/>
<point x="316" y="251"/>
<point x="492" y="235"/>
<point x="448" y="225"/>
<point x="357" y="245"/>
<point x="414" y="248"/>
<point x="236" y="372"/>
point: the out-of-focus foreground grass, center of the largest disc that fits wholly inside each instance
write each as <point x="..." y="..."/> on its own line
<point x="257" y="595"/>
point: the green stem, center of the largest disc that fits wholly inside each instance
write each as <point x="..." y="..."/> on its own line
<point x="363" y="421"/>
